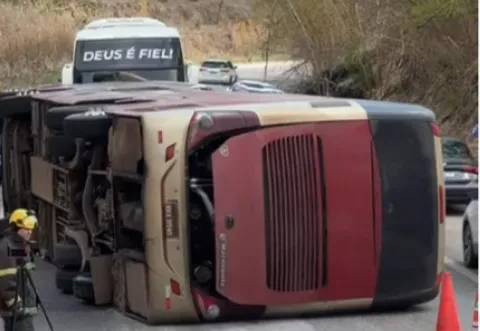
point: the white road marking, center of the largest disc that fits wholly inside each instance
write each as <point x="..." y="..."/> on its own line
<point x="461" y="269"/>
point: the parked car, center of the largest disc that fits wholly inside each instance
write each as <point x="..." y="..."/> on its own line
<point x="253" y="86"/>
<point x="217" y="72"/>
<point x="470" y="234"/>
<point x="460" y="171"/>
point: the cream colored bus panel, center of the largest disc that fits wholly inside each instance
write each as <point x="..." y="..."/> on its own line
<point x="124" y="146"/>
<point x="166" y="259"/>
<point x="286" y="114"/>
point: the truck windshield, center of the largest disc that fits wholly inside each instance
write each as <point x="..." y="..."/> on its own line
<point x="144" y="58"/>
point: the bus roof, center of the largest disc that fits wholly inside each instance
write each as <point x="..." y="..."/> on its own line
<point x="124" y="22"/>
<point x="125" y="32"/>
<point x="135" y="98"/>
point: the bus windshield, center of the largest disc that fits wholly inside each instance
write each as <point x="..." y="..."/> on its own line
<point x="147" y="58"/>
<point x="130" y="76"/>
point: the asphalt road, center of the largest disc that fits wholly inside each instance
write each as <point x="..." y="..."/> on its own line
<point x="67" y="313"/>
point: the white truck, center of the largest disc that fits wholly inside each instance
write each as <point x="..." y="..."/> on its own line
<point x="136" y="48"/>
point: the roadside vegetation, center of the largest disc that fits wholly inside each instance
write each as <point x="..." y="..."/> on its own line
<point x="36" y="36"/>
<point x="421" y="51"/>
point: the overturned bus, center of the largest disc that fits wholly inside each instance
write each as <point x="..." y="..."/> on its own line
<point x="176" y="205"/>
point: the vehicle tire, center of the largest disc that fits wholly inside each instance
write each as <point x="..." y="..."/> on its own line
<point x="15" y="105"/>
<point x="469" y="257"/>
<point x="87" y="125"/>
<point x="67" y="255"/>
<point x="4" y="201"/>
<point x="83" y="288"/>
<point x="64" y="280"/>
<point x="55" y="115"/>
<point x="231" y="81"/>
<point x="61" y="146"/>
<point x="4" y="225"/>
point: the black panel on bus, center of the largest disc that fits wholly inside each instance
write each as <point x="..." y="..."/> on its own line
<point x="406" y="156"/>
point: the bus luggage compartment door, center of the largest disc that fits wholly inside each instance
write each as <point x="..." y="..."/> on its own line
<point x="294" y="214"/>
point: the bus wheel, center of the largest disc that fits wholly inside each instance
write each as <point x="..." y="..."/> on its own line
<point x="55" y="115"/>
<point x="64" y="280"/>
<point x="67" y="255"/>
<point x="88" y="125"/>
<point x="61" y="146"/>
<point x="15" y="105"/>
<point x="83" y="288"/>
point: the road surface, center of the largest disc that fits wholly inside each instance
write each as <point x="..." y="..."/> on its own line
<point x="67" y="313"/>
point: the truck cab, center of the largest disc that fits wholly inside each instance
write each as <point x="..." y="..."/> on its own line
<point x="143" y="48"/>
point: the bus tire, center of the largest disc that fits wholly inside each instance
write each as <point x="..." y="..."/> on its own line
<point x="67" y="255"/>
<point x="87" y="126"/>
<point x="64" y="280"/>
<point x="55" y="115"/>
<point x="13" y="105"/>
<point x="61" y="146"/>
<point x="83" y="288"/>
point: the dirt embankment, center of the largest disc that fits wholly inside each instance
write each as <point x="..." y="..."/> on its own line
<point x="36" y="36"/>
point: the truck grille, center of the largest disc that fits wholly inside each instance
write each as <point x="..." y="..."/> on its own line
<point x="293" y="224"/>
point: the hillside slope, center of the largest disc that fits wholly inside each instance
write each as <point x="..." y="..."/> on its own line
<point x="36" y="36"/>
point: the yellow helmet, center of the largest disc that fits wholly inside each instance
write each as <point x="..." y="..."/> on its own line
<point x="23" y="218"/>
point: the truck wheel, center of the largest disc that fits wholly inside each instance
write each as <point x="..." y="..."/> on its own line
<point x="55" y="115"/>
<point x="61" y="146"/>
<point x="64" y="280"/>
<point x="89" y="125"/>
<point x="67" y="255"/>
<point x="83" y="288"/>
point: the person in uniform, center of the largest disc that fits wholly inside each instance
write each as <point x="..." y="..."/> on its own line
<point x="18" y="300"/>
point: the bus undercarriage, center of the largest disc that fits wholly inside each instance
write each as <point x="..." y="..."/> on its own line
<point x="87" y="192"/>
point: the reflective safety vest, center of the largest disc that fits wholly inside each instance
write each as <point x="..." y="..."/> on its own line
<point x="21" y="296"/>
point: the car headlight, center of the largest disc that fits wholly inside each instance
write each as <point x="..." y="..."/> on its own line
<point x="470" y="176"/>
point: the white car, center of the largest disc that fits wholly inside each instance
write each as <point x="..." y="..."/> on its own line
<point x="253" y="86"/>
<point x="470" y="234"/>
<point x="217" y="72"/>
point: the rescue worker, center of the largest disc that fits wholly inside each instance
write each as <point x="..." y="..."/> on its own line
<point x="17" y="301"/>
